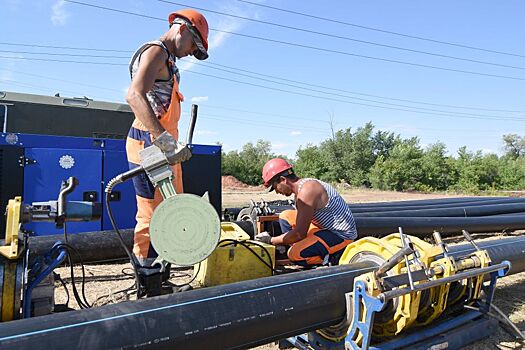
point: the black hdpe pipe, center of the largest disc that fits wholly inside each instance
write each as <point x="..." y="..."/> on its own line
<point x="436" y="201"/>
<point x="356" y="208"/>
<point x="436" y="206"/>
<point x="447" y="226"/>
<point x="465" y="211"/>
<point x="105" y="246"/>
<point x="92" y="246"/>
<point x="234" y="316"/>
<point x="424" y="226"/>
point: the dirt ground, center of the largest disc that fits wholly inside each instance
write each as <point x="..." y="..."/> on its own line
<point x="111" y="283"/>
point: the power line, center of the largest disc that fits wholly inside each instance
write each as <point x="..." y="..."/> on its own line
<point x="62" y="47"/>
<point x="206" y="106"/>
<point x="426" y="111"/>
<point x="358" y="93"/>
<point x="256" y="73"/>
<point x="372" y="57"/>
<point x="349" y="102"/>
<point x="351" y="97"/>
<point x="61" y="80"/>
<point x="343" y="37"/>
<point x="63" y="61"/>
<point x="313" y="47"/>
<point x="62" y="54"/>
<point x="381" y="30"/>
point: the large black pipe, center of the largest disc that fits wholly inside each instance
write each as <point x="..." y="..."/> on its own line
<point x="436" y="201"/>
<point x="92" y="246"/>
<point x="463" y="211"/>
<point x="511" y="249"/>
<point x="424" y="226"/>
<point x="104" y="245"/>
<point x="359" y="209"/>
<point x="356" y="208"/>
<point x="234" y="316"/>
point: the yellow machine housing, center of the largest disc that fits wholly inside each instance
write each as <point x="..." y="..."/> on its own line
<point x="232" y="261"/>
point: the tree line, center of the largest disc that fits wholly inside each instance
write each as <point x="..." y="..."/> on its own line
<point x="384" y="160"/>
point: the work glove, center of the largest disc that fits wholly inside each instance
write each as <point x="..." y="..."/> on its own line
<point x="175" y="152"/>
<point x="281" y="249"/>
<point x="264" y="237"/>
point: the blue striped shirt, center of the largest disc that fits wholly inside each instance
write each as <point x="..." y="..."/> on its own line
<point x="335" y="216"/>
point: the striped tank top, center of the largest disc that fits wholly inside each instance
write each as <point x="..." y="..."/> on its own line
<point x="159" y="97"/>
<point x="336" y="216"/>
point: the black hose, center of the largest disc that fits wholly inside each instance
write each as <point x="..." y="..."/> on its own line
<point x="132" y="259"/>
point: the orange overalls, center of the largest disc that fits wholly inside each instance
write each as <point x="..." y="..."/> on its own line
<point x="148" y="198"/>
<point x="317" y="244"/>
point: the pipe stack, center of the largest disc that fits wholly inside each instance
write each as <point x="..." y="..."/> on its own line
<point x="421" y="217"/>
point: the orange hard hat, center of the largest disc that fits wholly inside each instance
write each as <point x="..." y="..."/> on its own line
<point x="198" y="26"/>
<point x="274" y="167"/>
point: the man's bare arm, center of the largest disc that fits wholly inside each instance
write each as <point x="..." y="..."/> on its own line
<point x="152" y="64"/>
<point x="306" y="205"/>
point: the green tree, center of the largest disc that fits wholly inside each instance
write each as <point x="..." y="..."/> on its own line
<point x="246" y="165"/>
<point x="437" y="168"/>
<point x="402" y="170"/>
<point x="514" y="145"/>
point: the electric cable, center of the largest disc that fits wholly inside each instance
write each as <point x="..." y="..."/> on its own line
<point x="340" y="36"/>
<point x="83" y="304"/>
<point x="379" y="30"/>
<point x="132" y="258"/>
<point x="210" y="63"/>
<point x="349" y="102"/>
<point x="310" y="46"/>
<point x="59" y="278"/>
<point x="346" y="96"/>
<point x="242" y="243"/>
<point x="447" y="113"/>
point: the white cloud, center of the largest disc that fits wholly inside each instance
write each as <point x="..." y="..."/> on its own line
<point x="205" y="132"/>
<point x="197" y="99"/>
<point x="6" y="72"/>
<point x="279" y="146"/>
<point x="296" y="133"/>
<point x="59" y="15"/>
<point x="223" y="26"/>
<point x="488" y="151"/>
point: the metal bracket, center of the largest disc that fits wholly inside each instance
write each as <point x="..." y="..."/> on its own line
<point x="156" y="165"/>
<point x="362" y="303"/>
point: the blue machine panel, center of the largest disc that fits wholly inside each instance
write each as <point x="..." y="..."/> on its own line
<point x="123" y="202"/>
<point x="47" y="167"/>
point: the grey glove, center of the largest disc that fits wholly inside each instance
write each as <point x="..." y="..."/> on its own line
<point x="176" y="152"/>
<point x="281" y="249"/>
<point x="264" y="237"/>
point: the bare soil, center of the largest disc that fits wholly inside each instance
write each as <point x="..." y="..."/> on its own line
<point x="112" y="283"/>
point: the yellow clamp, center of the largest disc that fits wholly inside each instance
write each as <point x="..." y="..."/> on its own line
<point x="12" y="228"/>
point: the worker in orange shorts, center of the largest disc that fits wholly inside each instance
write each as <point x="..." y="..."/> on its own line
<point x="322" y="226"/>
<point x="154" y="98"/>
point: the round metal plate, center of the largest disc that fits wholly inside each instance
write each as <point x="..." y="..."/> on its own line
<point x="185" y="229"/>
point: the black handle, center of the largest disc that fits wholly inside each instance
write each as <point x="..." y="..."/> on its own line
<point x="131" y="173"/>
<point x="193" y="120"/>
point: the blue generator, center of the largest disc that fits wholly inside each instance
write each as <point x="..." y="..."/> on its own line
<point x="34" y="166"/>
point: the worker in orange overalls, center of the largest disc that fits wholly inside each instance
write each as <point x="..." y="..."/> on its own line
<point x="321" y="227"/>
<point x="154" y="98"/>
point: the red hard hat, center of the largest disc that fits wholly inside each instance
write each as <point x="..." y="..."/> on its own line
<point x="274" y="167"/>
<point x="198" y="22"/>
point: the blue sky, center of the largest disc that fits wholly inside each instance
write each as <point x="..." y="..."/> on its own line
<point x="290" y="95"/>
